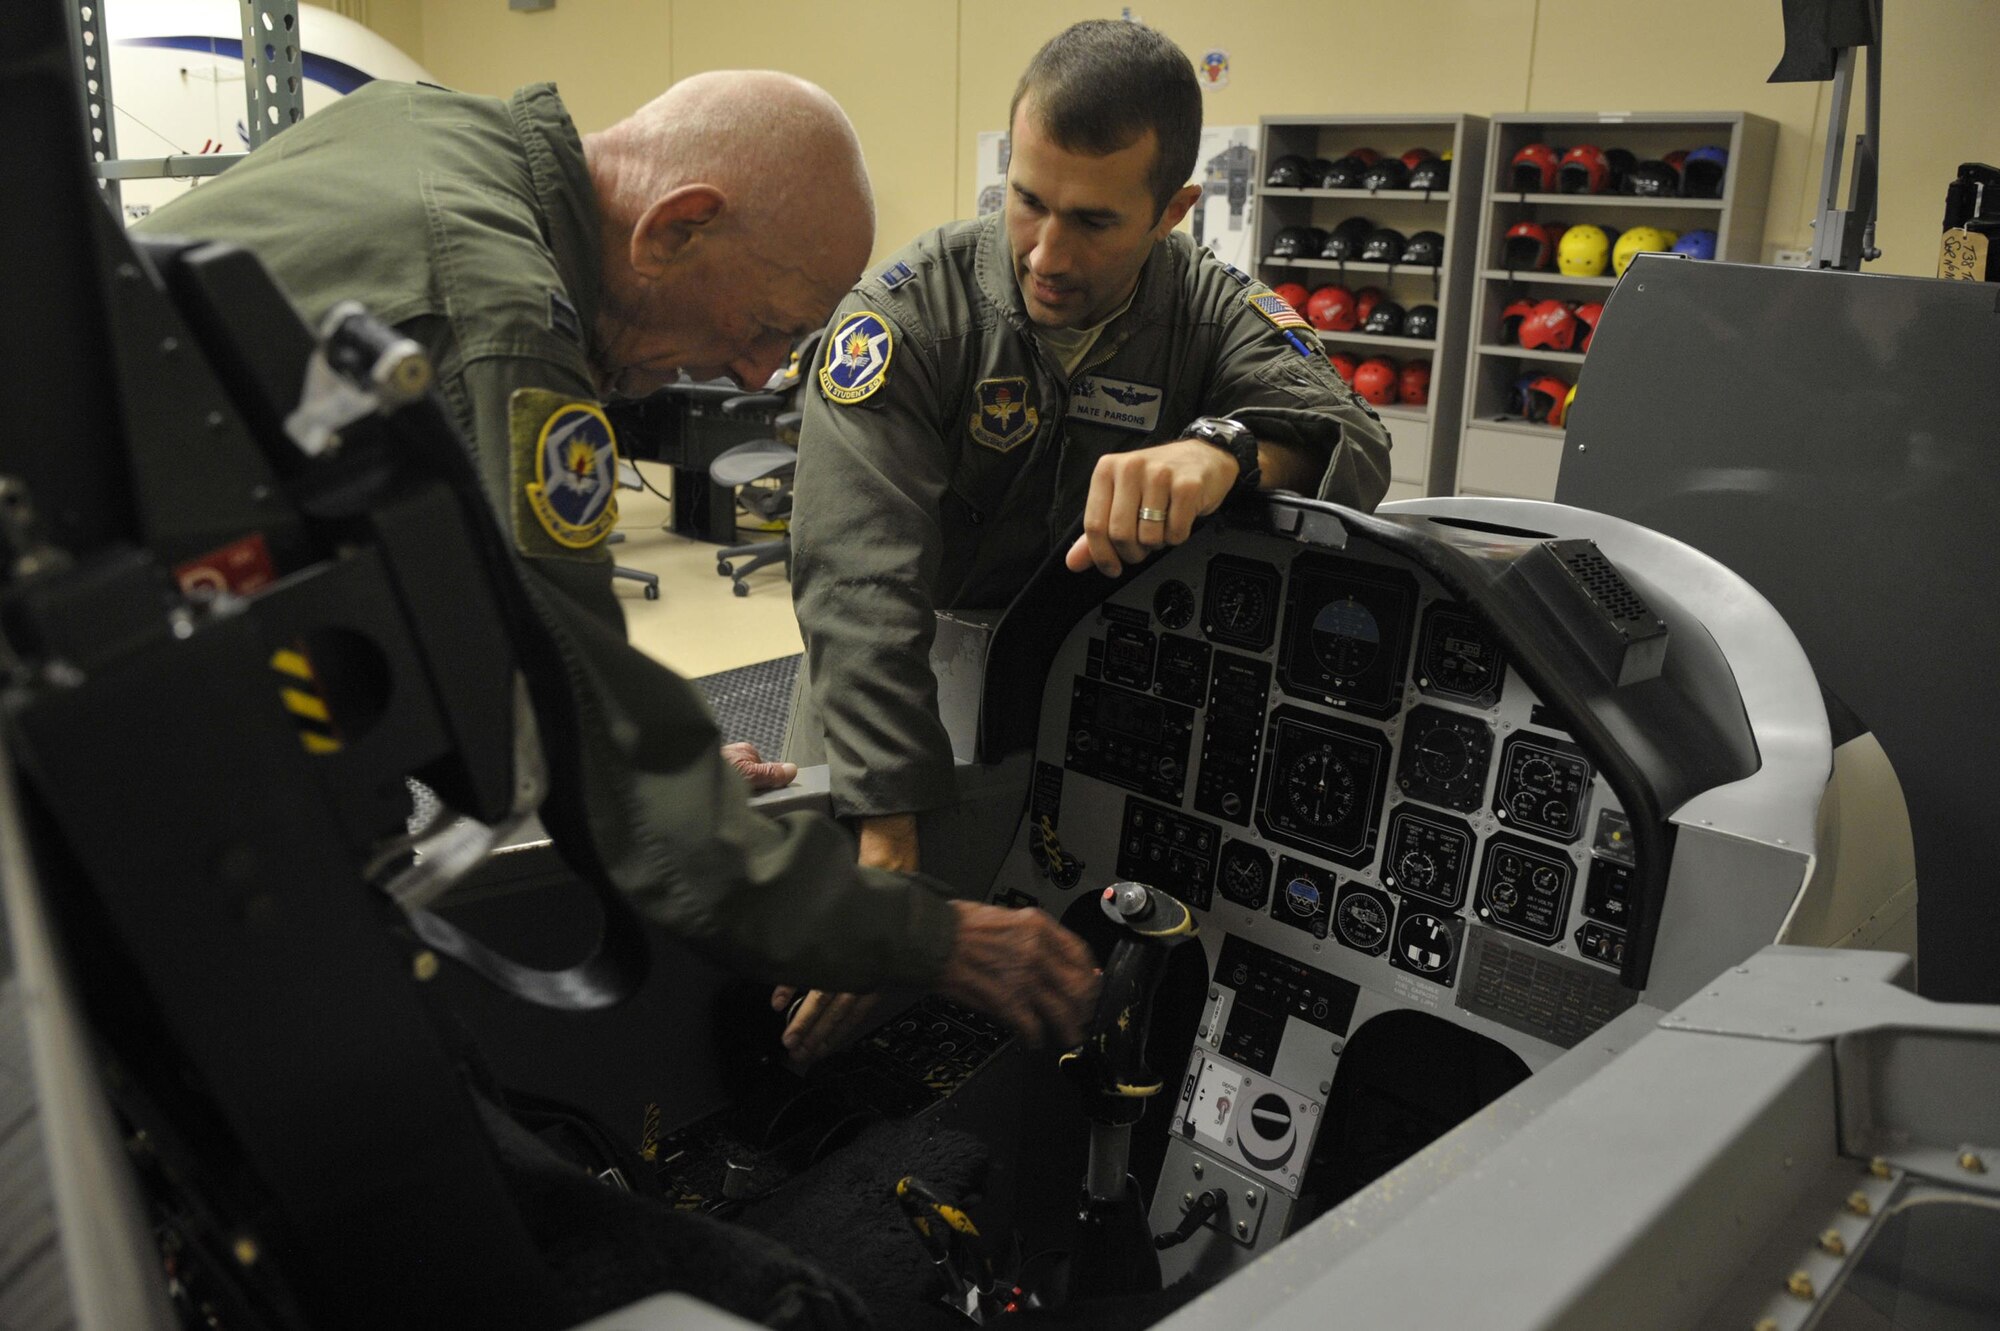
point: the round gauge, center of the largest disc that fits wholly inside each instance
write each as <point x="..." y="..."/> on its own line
<point x="1245" y="875"/>
<point x="1537" y="772"/>
<point x="1505" y="895"/>
<point x="1345" y="637"/>
<point x="1524" y="803"/>
<point x="1302" y="897"/>
<point x="1240" y="606"/>
<point x="1362" y="921"/>
<point x="1417" y="870"/>
<point x="1173" y="603"/>
<point x="1547" y="879"/>
<point x="1424" y="944"/>
<point x="1320" y="787"/>
<point x="1443" y="754"/>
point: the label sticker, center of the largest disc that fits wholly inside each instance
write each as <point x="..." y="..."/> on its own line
<point x="857" y="358"/>
<point x="1216" y="1095"/>
<point x="1115" y="402"/>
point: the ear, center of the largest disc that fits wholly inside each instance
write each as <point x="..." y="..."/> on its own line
<point x="1177" y="208"/>
<point x="675" y="222"/>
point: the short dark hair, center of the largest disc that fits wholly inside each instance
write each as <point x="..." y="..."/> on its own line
<point x="1101" y="84"/>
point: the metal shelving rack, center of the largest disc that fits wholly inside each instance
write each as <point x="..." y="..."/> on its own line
<point x="1499" y="453"/>
<point x="273" y="92"/>
<point x="1424" y="457"/>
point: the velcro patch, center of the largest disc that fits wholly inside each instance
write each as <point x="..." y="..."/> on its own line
<point x="895" y="275"/>
<point x="564" y="459"/>
<point x="1115" y="402"/>
<point x="1275" y="309"/>
<point x="857" y="358"/>
<point x="1003" y="417"/>
<point x="563" y="318"/>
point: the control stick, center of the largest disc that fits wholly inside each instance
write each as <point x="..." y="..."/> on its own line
<point x="1115" y="1253"/>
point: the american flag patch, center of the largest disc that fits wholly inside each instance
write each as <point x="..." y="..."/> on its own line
<point x="1273" y="307"/>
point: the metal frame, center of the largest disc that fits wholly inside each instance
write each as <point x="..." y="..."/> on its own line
<point x="91" y="55"/>
<point x="273" y="93"/>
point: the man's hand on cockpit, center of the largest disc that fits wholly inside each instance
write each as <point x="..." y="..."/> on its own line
<point x="1022" y="968"/>
<point x="820" y="1022"/>
<point x="743" y="756"/>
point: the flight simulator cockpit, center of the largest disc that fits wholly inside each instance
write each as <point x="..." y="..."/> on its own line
<point x="1499" y="924"/>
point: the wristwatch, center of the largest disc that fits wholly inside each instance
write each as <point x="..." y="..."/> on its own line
<point x="1234" y="438"/>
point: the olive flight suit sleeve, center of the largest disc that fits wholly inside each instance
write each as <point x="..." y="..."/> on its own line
<point x="866" y="551"/>
<point x="1289" y="397"/>
<point x="668" y="820"/>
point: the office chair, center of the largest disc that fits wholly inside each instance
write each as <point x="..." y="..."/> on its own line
<point x="740" y="468"/>
<point x="628" y="479"/>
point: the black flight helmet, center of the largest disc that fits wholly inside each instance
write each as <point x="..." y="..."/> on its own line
<point x="1384" y="245"/>
<point x="1421" y="321"/>
<point x="1345" y="241"/>
<point x="1288" y="172"/>
<point x="1433" y="173"/>
<point x="1343" y="174"/>
<point x="1386" y="318"/>
<point x="1316" y="171"/>
<point x="1425" y="249"/>
<point x="1389" y="173"/>
<point x="1653" y="180"/>
<point x="1622" y="161"/>
<point x="1298" y="242"/>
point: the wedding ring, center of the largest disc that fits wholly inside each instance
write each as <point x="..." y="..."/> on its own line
<point x="1152" y="515"/>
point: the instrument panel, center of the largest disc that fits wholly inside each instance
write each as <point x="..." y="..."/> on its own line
<point x="1329" y="757"/>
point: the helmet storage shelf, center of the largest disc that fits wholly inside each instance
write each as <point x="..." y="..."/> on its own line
<point x="1568" y="199"/>
<point x="1378" y="250"/>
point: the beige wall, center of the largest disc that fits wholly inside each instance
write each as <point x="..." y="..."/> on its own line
<point x="922" y="78"/>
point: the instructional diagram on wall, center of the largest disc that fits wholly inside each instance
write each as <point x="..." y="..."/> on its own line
<point x="1225" y="168"/>
<point x="991" y="176"/>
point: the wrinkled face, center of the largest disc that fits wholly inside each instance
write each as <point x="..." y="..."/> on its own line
<point x="1079" y="227"/>
<point x="726" y="312"/>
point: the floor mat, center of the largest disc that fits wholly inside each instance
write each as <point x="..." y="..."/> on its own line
<point x="753" y="702"/>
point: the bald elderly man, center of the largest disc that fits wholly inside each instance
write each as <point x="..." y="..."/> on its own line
<point x="543" y="271"/>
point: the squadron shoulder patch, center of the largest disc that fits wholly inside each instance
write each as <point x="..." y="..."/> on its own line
<point x="565" y="472"/>
<point x="1002" y="416"/>
<point x="857" y="358"/>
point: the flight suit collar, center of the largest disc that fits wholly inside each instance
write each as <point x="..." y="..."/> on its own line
<point x="565" y="199"/>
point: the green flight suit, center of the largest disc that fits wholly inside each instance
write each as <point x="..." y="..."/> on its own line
<point x="471" y="224"/>
<point x="944" y="455"/>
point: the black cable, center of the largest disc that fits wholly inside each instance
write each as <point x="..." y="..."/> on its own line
<point x="648" y="484"/>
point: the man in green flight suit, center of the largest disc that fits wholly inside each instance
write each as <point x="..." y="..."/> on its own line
<point x="707" y="232"/>
<point x="1072" y="357"/>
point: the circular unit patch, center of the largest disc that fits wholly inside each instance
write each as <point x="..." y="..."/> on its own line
<point x="857" y="358"/>
<point x="576" y="476"/>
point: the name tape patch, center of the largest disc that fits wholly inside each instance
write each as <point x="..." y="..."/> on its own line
<point x="1118" y="403"/>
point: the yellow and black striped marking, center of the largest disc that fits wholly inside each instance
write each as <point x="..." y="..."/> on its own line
<point x="303" y="698"/>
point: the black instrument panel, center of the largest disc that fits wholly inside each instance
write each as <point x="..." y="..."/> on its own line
<point x="1369" y="771"/>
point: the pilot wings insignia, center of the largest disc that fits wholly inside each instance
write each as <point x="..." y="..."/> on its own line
<point x="1131" y="397"/>
<point x="1001" y="417"/>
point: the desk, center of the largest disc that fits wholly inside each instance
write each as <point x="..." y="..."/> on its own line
<point x="684" y="426"/>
